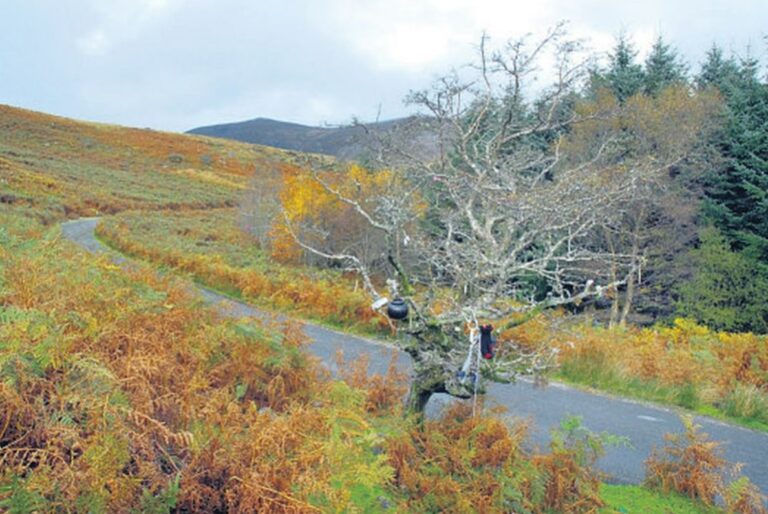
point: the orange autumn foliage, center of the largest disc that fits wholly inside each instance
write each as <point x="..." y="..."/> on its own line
<point x="693" y="465"/>
<point x="460" y="463"/>
<point x="681" y="354"/>
<point x="685" y="364"/>
<point x="333" y="301"/>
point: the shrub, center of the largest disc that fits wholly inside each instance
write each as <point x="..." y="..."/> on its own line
<point x="729" y="290"/>
<point x="689" y="464"/>
<point x="461" y="463"/>
<point x="693" y="465"/>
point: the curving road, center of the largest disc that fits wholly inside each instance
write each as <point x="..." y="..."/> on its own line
<point x="643" y="424"/>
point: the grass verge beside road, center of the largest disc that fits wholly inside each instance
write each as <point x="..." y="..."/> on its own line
<point x="634" y="499"/>
<point x="211" y="248"/>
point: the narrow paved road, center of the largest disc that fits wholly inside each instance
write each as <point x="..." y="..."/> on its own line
<point x="643" y="424"/>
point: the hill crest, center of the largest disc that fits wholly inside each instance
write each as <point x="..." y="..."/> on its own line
<point x="344" y="141"/>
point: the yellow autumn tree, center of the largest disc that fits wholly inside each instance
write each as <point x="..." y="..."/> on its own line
<point x="324" y="220"/>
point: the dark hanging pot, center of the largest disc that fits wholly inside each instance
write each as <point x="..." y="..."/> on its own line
<point x="487" y="341"/>
<point x="397" y="309"/>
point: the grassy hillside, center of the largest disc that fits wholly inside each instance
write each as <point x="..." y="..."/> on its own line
<point x="55" y="168"/>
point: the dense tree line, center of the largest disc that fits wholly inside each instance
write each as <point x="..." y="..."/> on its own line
<point x="706" y="238"/>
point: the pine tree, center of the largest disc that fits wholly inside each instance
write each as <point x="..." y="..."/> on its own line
<point x="717" y="71"/>
<point x="737" y="191"/>
<point x="727" y="290"/>
<point x="624" y="76"/>
<point x="663" y="68"/>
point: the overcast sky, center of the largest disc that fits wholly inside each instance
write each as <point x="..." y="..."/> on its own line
<point x="179" y="64"/>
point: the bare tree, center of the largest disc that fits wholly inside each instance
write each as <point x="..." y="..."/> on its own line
<point x="510" y="220"/>
<point x="261" y="204"/>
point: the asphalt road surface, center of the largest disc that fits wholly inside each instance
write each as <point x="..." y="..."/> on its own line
<point x="643" y="424"/>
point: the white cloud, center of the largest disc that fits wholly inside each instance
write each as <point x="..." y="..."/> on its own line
<point x="408" y="46"/>
<point x="94" y="43"/>
<point x="409" y="36"/>
<point x="122" y="20"/>
<point x="643" y="39"/>
<point x="157" y="5"/>
<point x="432" y="35"/>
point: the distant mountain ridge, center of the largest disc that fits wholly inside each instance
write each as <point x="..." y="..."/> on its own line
<point x="344" y="142"/>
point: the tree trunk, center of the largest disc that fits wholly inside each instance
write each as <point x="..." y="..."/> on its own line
<point x="628" y="299"/>
<point x="433" y="369"/>
<point x="418" y="397"/>
<point x="614" y="290"/>
<point x="630" y="294"/>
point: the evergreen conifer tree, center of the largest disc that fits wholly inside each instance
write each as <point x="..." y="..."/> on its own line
<point x="717" y="70"/>
<point x="663" y="68"/>
<point x="624" y="75"/>
<point x="737" y="190"/>
<point x="729" y="290"/>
